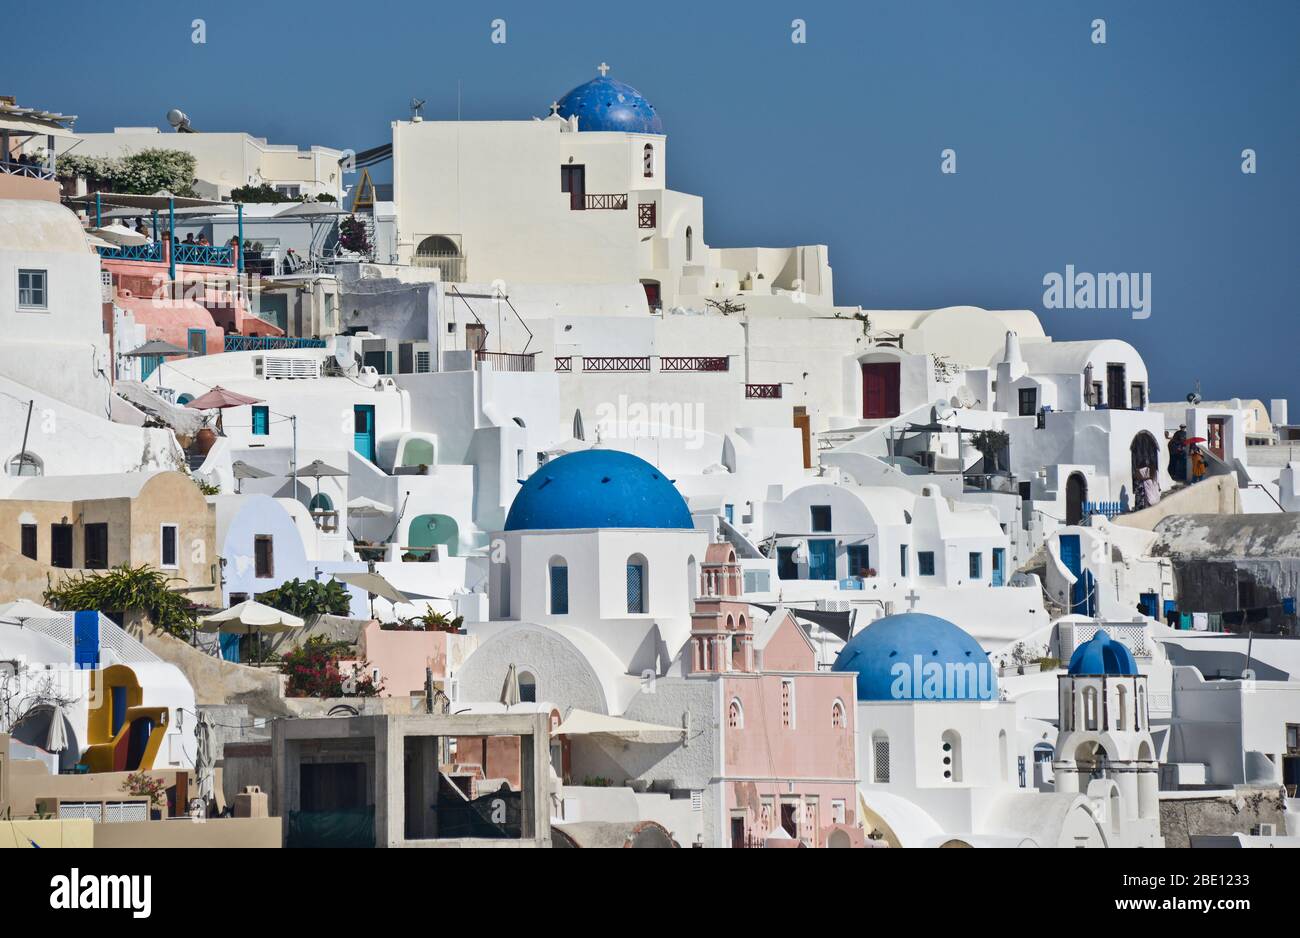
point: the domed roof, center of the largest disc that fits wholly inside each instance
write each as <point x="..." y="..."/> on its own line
<point x="914" y="656"/>
<point x="608" y="104"/>
<point x="1102" y="655"/>
<point x="598" y="488"/>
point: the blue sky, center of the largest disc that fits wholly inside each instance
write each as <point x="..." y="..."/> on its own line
<point x="1116" y="157"/>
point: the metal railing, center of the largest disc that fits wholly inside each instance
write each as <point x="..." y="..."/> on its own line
<point x="450" y="266"/>
<point x="564" y="364"/>
<point x="153" y="251"/>
<point x="268" y="343"/>
<point x="694" y="363"/>
<point x="616" y="363"/>
<point x="27" y="170"/>
<point x="645" y="215"/>
<point x="756" y="392"/>
<point x="507" y="361"/>
<point x="605" y="200"/>
<point x="203" y="255"/>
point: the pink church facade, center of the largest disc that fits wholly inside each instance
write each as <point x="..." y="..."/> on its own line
<point x="789" y="750"/>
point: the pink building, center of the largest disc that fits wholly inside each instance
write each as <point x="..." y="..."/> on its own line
<point x="789" y="753"/>
<point x="401" y="656"/>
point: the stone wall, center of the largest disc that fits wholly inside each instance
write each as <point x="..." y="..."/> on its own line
<point x="1221" y="814"/>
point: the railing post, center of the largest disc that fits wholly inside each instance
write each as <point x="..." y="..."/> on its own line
<point x="239" y="247"/>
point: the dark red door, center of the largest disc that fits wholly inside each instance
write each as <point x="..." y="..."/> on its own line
<point x="880" y="389"/>
<point x="652" y="295"/>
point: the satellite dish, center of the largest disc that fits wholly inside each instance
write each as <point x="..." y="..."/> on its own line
<point x="963" y="398"/>
<point x="417" y="105"/>
<point x="180" y="121"/>
<point x="1193" y="398"/>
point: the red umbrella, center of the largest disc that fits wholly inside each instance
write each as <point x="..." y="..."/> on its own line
<point x="219" y="398"/>
<point x="1194" y="439"/>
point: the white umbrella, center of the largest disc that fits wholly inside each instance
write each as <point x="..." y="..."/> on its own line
<point x="248" y="618"/>
<point x="362" y="507"/>
<point x="309" y="209"/>
<point x="19" y="611"/>
<point x="119" y="235"/>
<point x="510" y="690"/>
<point x="57" y="741"/>
<point x="203" y="762"/>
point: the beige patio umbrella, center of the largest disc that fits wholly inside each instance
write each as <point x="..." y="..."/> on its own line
<point x="20" y="610"/>
<point x="510" y="689"/>
<point x="248" y="618"/>
<point x="377" y="585"/>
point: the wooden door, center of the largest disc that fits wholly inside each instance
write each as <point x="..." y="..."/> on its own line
<point x="1116" y="387"/>
<point x="880" y="397"/>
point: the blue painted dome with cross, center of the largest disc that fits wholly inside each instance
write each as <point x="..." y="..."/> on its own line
<point x="598" y="488"/>
<point x="605" y="103"/>
<point x="915" y="656"/>
<point x="1100" y="655"/>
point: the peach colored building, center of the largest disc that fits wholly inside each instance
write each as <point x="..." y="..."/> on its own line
<point x="788" y="736"/>
<point x="401" y="656"/>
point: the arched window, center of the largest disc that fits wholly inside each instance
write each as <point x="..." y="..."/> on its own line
<point x="1002" y="754"/>
<point x="692" y="578"/>
<point x="320" y="502"/>
<point x="880" y="757"/>
<point x="690" y="244"/>
<point x="559" y="583"/>
<point x="503" y="589"/>
<point x="25" y="464"/>
<point x="951" y="747"/>
<point x="648" y="159"/>
<point x="527" y="687"/>
<point x="837" y="716"/>
<point x="735" y="715"/>
<point x="1121" y="721"/>
<point x="1140" y="717"/>
<point x="1090" y="708"/>
<point x="636" y="584"/>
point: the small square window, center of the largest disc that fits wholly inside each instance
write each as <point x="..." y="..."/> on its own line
<point x="821" y="517"/>
<point x="925" y="562"/>
<point x="32" y="289"/>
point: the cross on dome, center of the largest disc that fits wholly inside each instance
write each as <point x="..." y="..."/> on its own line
<point x="555" y="108"/>
<point x="603" y="69"/>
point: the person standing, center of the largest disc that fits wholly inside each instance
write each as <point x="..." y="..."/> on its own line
<point x="1198" y="464"/>
<point x="1178" y="454"/>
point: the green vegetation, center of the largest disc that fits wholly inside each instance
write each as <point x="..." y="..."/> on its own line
<point x="142" y="173"/>
<point x="306" y="598"/>
<point x="313" y="670"/>
<point x="126" y="589"/>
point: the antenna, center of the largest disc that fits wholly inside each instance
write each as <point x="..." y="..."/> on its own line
<point x="417" y="106"/>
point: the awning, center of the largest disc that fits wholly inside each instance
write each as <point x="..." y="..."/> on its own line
<point x="23" y="125"/>
<point x="586" y="723"/>
<point x="837" y="623"/>
<point x="159" y="200"/>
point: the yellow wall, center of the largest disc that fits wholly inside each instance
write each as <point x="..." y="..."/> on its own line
<point x="46" y="834"/>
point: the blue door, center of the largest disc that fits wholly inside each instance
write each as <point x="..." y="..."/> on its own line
<point x="1151" y="604"/>
<point x="261" y="420"/>
<point x="999" y="562"/>
<point x="148" y="365"/>
<point x="1081" y="598"/>
<point x="196" y="341"/>
<point x="363" y="437"/>
<point x="821" y="559"/>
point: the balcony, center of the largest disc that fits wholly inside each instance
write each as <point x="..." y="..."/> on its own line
<point x="645" y="215"/>
<point x="760" y="392"/>
<point x="268" y="343"/>
<point x="26" y="170"/>
<point x="564" y="364"/>
<point x="204" y="255"/>
<point x="507" y="361"/>
<point x="694" y="363"/>
<point x="451" y="267"/>
<point x="622" y="363"/>
<point x="611" y="201"/>
<point x="152" y="252"/>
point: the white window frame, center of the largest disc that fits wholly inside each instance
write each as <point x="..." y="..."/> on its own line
<point x="176" y="546"/>
<point x="45" y="288"/>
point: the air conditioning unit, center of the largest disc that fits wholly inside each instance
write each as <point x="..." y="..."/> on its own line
<point x="259" y="368"/>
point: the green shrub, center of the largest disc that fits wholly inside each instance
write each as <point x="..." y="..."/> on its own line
<point x="305" y="598"/>
<point x="126" y="589"/>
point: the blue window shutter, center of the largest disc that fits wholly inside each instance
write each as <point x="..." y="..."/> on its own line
<point x="635" y="588"/>
<point x="559" y="590"/>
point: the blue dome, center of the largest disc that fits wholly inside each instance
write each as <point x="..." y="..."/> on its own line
<point x="914" y="656"/>
<point x="598" y="488"/>
<point x="1102" y="655"/>
<point x="606" y="104"/>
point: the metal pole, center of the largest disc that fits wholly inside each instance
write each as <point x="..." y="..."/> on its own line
<point x="239" y="250"/>
<point x="98" y="222"/>
<point x="294" y="421"/>
<point x="22" y="456"/>
<point x="171" y="238"/>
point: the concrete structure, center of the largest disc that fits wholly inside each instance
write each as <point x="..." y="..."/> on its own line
<point x="392" y="770"/>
